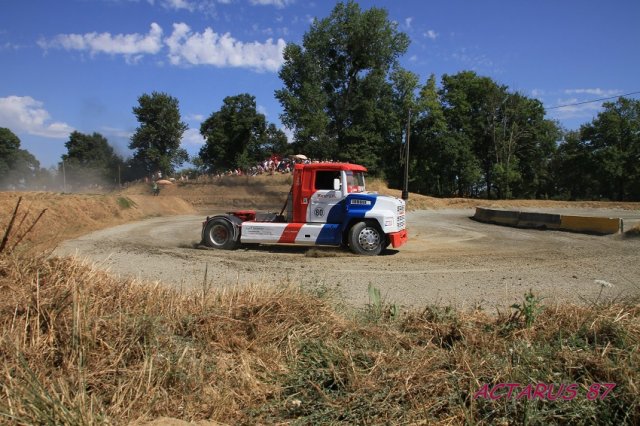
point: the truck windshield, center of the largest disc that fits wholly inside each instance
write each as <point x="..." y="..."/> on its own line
<point x="355" y="182"/>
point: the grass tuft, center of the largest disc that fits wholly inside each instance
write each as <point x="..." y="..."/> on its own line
<point x="126" y="202"/>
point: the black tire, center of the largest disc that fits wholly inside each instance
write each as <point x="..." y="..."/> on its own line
<point x="366" y="239"/>
<point x="219" y="234"/>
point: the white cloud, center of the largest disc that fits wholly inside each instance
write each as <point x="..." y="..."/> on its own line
<point x="185" y="47"/>
<point x="132" y="46"/>
<point x="211" y="48"/>
<point x="207" y="7"/>
<point x="25" y="114"/>
<point x="197" y="118"/>
<point x="277" y="3"/>
<point x="537" y="93"/>
<point x="289" y="133"/>
<point x="594" y="92"/>
<point x="179" y="4"/>
<point x="10" y="46"/>
<point x="262" y="110"/>
<point x="472" y="59"/>
<point x="570" y="111"/>
<point x="407" y="22"/>
<point x="431" y="34"/>
<point x="585" y="108"/>
<point x="117" y="132"/>
<point x="192" y="137"/>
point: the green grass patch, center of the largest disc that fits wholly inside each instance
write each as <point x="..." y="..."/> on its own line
<point x="125" y="203"/>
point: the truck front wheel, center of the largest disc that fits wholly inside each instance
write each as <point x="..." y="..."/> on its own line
<point x="218" y="233"/>
<point x="366" y="239"/>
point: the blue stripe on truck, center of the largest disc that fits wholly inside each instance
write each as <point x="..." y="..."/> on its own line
<point x="331" y="234"/>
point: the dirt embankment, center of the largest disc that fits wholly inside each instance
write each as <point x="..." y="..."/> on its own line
<point x="71" y="215"/>
<point x="270" y="192"/>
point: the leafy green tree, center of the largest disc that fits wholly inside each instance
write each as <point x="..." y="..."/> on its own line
<point x="535" y="155"/>
<point x="613" y="138"/>
<point x="511" y="139"/>
<point x="337" y="95"/>
<point x="275" y="142"/>
<point x="446" y="165"/>
<point x="403" y="117"/>
<point x="574" y="169"/>
<point x="18" y="167"/>
<point x="238" y="136"/>
<point x="9" y="147"/>
<point x="90" y="159"/>
<point x="472" y="104"/>
<point x="157" y="140"/>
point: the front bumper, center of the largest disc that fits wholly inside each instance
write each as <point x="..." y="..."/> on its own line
<point x="398" y="238"/>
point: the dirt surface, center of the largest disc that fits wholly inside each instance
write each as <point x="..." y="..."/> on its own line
<point x="450" y="259"/>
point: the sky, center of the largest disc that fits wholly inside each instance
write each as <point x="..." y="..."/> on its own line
<point x="81" y="65"/>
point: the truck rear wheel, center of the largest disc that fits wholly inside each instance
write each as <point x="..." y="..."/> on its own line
<point x="219" y="234"/>
<point x="366" y="239"/>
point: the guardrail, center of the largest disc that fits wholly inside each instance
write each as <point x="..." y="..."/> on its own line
<point x="583" y="224"/>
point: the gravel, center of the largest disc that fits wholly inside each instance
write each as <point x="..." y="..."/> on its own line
<point x="449" y="260"/>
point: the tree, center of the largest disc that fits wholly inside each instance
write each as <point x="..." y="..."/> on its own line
<point x="237" y="136"/>
<point x="275" y="142"/>
<point x="336" y="96"/>
<point x="9" y="146"/>
<point x="157" y="140"/>
<point x="509" y="135"/>
<point x="472" y="104"/>
<point x="613" y="138"/>
<point x="91" y="160"/>
<point x="446" y="165"/>
<point x="17" y="166"/>
<point x="573" y="169"/>
<point x="535" y="155"/>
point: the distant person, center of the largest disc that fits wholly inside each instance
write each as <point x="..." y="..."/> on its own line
<point x="155" y="188"/>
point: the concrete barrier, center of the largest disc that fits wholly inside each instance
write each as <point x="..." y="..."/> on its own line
<point x="500" y="217"/>
<point x="583" y="224"/>
<point x="592" y="225"/>
<point x="539" y="220"/>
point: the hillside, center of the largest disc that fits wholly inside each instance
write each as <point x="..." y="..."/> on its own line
<point x="270" y="193"/>
<point x="70" y="215"/>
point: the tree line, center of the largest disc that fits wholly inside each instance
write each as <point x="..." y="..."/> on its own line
<point x="346" y="97"/>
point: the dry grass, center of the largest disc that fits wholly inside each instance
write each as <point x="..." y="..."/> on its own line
<point x="71" y="215"/>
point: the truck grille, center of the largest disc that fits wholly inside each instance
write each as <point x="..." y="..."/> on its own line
<point x="401" y="217"/>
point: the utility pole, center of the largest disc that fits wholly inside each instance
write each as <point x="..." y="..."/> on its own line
<point x="405" y="186"/>
<point x="64" y="178"/>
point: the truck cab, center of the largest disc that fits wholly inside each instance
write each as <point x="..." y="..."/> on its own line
<point x="328" y="205"/>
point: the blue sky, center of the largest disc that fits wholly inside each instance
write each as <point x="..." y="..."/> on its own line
<point x="82" y="64"/>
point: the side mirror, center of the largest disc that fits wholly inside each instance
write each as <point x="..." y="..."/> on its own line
<point x="336" y="184"/>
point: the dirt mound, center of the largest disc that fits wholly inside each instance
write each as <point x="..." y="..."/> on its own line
<point x="270" y="192"/>
<point x="70" y="215"/>
<point x="227" y="193"/>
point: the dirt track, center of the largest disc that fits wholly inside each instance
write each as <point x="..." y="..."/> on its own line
<point x="450" y="259"/>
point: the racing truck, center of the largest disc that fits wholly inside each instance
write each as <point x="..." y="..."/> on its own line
<point x="327" y="205"/>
